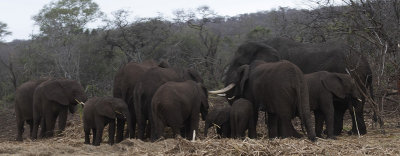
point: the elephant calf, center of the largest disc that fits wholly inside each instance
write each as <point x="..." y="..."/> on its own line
<point x="98" y="112"/>
<point x="323" y="88"/>
<point x="241" y="117"/>
<point x="178" y="104"/>
<point x="220" y="118"/>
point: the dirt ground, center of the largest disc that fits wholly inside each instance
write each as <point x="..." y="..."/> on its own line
<point x="70" y="142"/>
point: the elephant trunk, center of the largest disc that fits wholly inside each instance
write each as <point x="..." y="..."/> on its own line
<point x="304" y="109"/>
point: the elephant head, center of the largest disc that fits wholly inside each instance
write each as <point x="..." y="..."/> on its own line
<point x="341" y="85"/>
<point x="65" y="92"/>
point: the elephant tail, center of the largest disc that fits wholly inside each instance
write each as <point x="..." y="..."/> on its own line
<point x="304" y="106"/>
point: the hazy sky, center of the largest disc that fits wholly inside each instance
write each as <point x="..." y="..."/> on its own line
<point x="17" y="14"/>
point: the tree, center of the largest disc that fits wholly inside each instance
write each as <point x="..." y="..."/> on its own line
<point x="3" y="31"/>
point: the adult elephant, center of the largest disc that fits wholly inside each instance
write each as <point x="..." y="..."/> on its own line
<point x="332" y="57"/>
<point x="100" y="111"/>
<point x="23" y="105"/>
<point x="178" y="105"/>
<point x="278" y="86"/>
<point x="125" y="81"/>
<point x="52" y="99"/>
<point x="148" y="85"/>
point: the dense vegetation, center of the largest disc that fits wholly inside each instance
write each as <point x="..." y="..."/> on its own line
<point x="199" y="39"/>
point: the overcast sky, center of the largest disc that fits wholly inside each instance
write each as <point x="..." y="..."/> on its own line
<point x="17" y="14"/>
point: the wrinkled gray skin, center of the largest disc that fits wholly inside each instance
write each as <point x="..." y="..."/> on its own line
<point x="100" y="111"/>
<point x="23" y="106"/>
<point x="178" y="105"/>
<point x="281" y="89"/>
<point x="241" y="118"/>
<point x="332" y="57"/>
<point x="52" y="99"/>
<point x="148" y="85"/>
<point x="219" y="117"/>
<point x="125" y="81"/>
<point x="323" y="87"/>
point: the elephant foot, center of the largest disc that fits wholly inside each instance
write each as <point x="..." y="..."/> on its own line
<point x="331" y="137"/>
<point x="86" y="142"/>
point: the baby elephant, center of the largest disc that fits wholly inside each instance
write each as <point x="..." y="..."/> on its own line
<point x="100" y="111"/>
<point x="177" y="105"/>
<point x="220" y="118"/>
<point x="241" y="118"/>
<point x="323" y="88"/>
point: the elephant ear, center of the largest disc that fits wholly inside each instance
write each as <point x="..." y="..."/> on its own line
<point x="334" y="84"/>
<point x="243" y="72"/>
<point x="54" y="91"/>
<point x="194" y="75"/>
<point x="105" y="108"/>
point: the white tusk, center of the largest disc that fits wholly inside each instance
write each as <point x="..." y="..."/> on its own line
<point x="194" y="136"/>
<point x="79" y="102"/>
<point x="222" y="95"/>
<point x="229" y="87"/>
<point x="231" y="98"/>
<point x="359" y="99"/>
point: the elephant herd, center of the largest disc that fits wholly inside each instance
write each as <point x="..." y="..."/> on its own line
<point x="284" y="78"/>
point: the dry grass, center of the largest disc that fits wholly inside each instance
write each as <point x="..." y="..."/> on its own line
<point x="71" y="143"/>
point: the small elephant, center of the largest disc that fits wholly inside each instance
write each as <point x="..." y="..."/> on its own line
<point x="323" y="87"/>
<point x="220" y="118"/>
<point x="100" y="111"/>
<point x="52" y="99"/>
<point x="177" y="105"/>
<point x="241" y="117"/>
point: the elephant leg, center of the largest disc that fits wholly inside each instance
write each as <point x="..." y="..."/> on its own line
<point x="225" y="130"/>
<point x="50" y="120"/>
<point x="285" y="127"/>
<point x="148" y="129"/>
<point x="338" y="120"/>
<point x="141" y="127"/>
<point x="272" y="126"/>
<point x="42" y="127"/>
<point x="20" y="129"/>
<point x="111" y="132"/>
<point x="319" y="121"/>
<point x="99" y="134"/>
<point x="328" y="113"/>
<point x="251" y="130"/>
<point x="360" y="120"/>
<point x="36" y="122"/>
<point x="30" y="123"/>
<point x="87" y="135"/>
<point x="194" y="126"/>
<point x="219" y="131"/>
<point x="62" y="120"/>
<point x="94" y="130"/>
<point x="158" y="129"/>
<point x="120" y="130"/>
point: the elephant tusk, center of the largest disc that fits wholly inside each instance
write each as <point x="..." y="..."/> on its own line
<point x="359" y="99"/>
<point x="216" y="125"/>
<point x="79" y="102"/>
<point x="223" y="90"/>
<point x="194" y="136"/>
<point x="231" y="98"/>
<point x="222" y="95"/>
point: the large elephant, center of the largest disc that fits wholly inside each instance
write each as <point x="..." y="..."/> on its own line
<point x="278" y="86"/>
<point x="52" y="99"/>
<point x="125" y="81"/>
<point x="23" y="105"/>
<point x="178" y="105"/>
<point x="241" y="119"/>
<point x="323" y="87"/>
<point x="219" y="117"/>
<point x="148" y="85"/>
<point x="100" y="111"/>
<point x="332" y="57"/>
